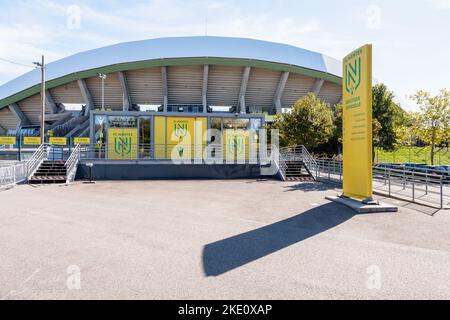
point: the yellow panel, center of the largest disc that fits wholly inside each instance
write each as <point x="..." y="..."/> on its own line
<point x="160" y="137"/>
<point x="357" y="123"/>
<point x="122" y="144"/>
<point x="58" y="141"/>
<point x="84" y="141"/>
<point x="31" y="141"/>
<point x="201" y="138"/>
<point x="7" y="140"/>
<point x="180" y="137"/>
<point x="236" y="144"/>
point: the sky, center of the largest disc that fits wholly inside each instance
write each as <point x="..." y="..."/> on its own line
<point x="411" y="39"/>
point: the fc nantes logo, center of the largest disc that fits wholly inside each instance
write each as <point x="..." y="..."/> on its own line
<point x="180" y="129"/>
<point x="236" y="145"/>
<point x="353" y="75"/>
<point x="122" y="145"/>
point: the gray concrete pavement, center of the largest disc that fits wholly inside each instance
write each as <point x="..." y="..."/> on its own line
<point x="213" y="240"/>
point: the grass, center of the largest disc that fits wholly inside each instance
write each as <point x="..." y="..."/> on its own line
<point x="413" y="155"/>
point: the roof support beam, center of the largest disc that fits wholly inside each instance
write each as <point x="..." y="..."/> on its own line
<point x="279" y="93"/>
<point x="244" y="83"/>
<point x="15" y="109"/>
<point x="50" y="102"/>
<point x="205" y="88"/>
<point x="126" y="93"/>
<point x="165" y="87"/>
<point x="86" y="96"/>
<point x="317" y="86"/>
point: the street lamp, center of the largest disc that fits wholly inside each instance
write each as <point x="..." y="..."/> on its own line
<point x="41" y="65"/>
<point x="103" y="77"/>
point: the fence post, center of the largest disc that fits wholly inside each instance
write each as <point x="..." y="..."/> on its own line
<point x="389" y="181"/>
<point x="404" y="179"/>
<point x="442" y="193"/>
<point x="329" y="172"/>
<point x="413" y="189"/>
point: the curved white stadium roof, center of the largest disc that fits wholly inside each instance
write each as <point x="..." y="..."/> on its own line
<point x="178" y="47"/>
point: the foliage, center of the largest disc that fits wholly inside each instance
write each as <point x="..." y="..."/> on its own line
<point x="413" y="154"/>
<point x="389" y="117"/>
<point x="309" y="123"/>
<point x="432" y="123"/>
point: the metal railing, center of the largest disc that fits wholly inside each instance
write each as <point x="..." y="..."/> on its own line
<point x="432" y="189"/>
<point x="13" y="174"/>
<point x="297" y="153"/>
<point x="72" y="163"/>
<point x="161" y="152"/>
<point x="36" y="159"/>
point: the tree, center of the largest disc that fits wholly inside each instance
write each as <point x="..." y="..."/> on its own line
<point x="433" y="121"/>
<point x="389" y="116"/>
<point x="309" y="123"/>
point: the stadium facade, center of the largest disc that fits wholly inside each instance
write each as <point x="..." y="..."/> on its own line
<point x="158" y="91"/>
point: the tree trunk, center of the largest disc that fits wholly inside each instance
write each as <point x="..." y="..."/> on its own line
<point x="433" y="139"/>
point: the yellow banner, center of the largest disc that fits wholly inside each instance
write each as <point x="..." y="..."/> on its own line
<point x="7" y="140"/>
<point x="236" y="144"/>
<point x="31" y="141"/>
<point x="83" y="141"/>
<point x="58" y="141"/>
<point x="122" y="144"/>
<point x="160" y="137"/>
<point x="357" y="123"/>
<point x="201" y="137"/>
<point x="180" y="137"/>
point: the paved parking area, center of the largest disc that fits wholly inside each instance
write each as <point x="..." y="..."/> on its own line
<point x="240" y="239"/>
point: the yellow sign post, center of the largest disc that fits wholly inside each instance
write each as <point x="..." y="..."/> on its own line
<point x="357" y="124"/>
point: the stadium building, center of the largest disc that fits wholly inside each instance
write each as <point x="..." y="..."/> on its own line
<point x="140" y="99"/>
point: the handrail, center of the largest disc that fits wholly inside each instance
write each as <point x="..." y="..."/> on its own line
<point x="36" y="159"/>
<point x="298" y="153"/>
<point x="72" y="162"/>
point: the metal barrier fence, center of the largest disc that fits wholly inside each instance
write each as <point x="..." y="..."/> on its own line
<point x="13" y="174"/>
<point x="174" y="152"/>
<point x="429" y="188"/>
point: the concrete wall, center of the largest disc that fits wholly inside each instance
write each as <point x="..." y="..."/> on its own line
<point x="168" y="171"/>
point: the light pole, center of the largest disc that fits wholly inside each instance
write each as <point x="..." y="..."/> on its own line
<point x="42" y="66"/>
<point x="103" y="77"/>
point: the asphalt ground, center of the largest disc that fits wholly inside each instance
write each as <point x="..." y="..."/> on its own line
<point x="215" y="239"/>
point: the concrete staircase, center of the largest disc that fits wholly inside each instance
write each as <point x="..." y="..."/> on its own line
<point x="297" y="171"/>
<point x="50" y="172"/>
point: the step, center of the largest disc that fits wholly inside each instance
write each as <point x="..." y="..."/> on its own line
<point x="49" y="174"/>
<point x="299" y="179"/>
<point x="51" y="179"/>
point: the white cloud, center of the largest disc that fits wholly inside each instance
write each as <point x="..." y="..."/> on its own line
<point x="441" y="4"/>
<point x="373" y="18"/>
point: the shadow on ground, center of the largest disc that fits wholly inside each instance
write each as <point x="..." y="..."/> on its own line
<point x="231" y="253"/>
<point x="310" y="186"/>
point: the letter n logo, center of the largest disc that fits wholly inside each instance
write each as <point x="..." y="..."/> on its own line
<point x="122" y="146"/>
<point x="353" y="75"/>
